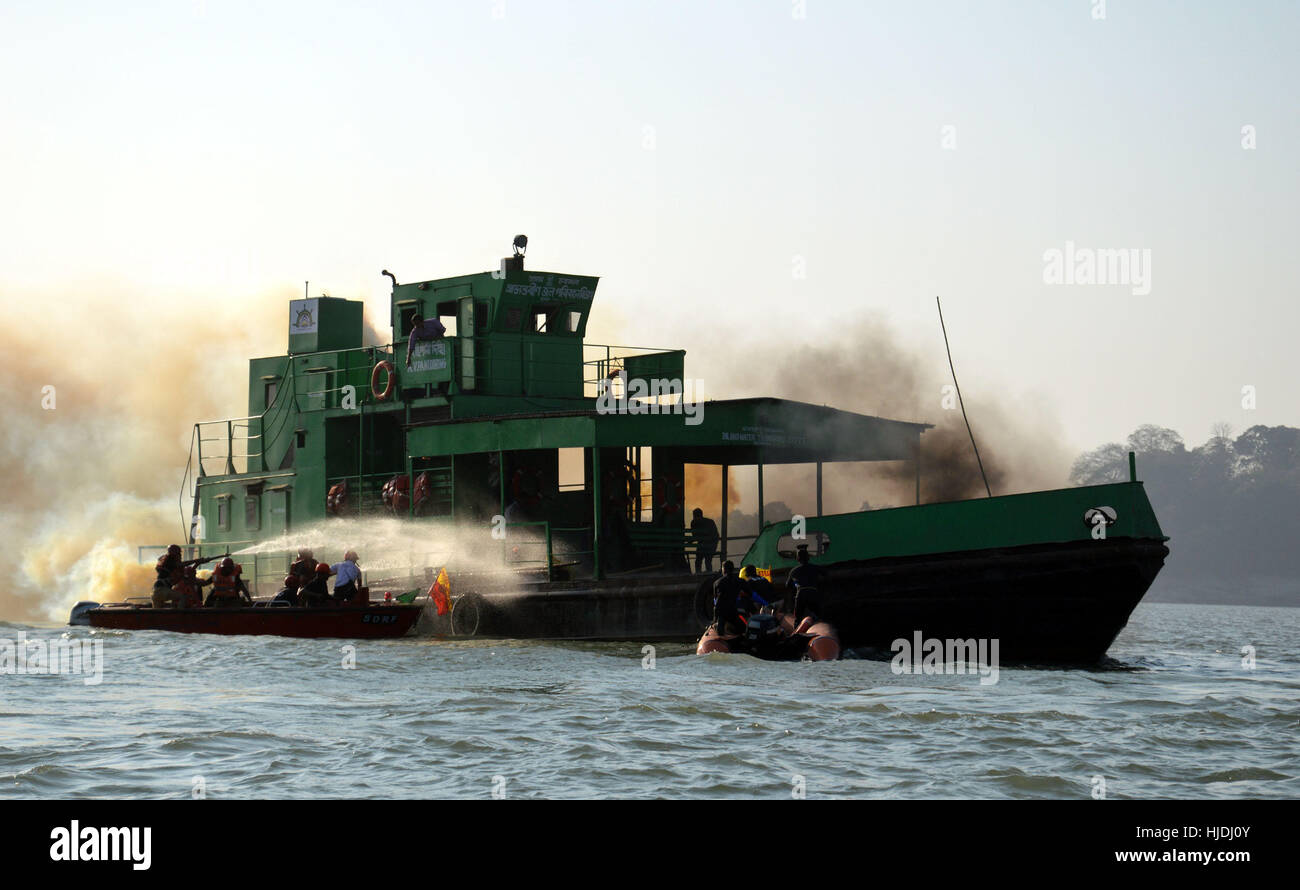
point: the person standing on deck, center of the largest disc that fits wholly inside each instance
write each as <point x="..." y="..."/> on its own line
<point x="422" y="329"/>
<point x="705" y="533"/>
<point x="348" y="574"/>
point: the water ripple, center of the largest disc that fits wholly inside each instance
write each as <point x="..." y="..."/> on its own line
<point x="1173" y="713"/>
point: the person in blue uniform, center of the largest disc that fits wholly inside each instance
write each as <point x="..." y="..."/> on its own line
<point x="347" y="573"/>
<point x="316" y="591"/>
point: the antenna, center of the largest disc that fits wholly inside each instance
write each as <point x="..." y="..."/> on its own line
<point x="959" y="399"/>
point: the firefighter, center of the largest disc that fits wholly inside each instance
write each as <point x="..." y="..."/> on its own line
<point x="316" y="591"/>
<point x="305" y="566"/>
<point x="289" y="592"/>
<point x="170" y="569"/>
<point x="174" y="574"/>
<point x="228" y="588"/>
<point x="347" y="575"/>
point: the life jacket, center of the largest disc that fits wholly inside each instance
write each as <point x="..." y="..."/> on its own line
<point x="187" y="589"/>
<point x="169" y="572"/>
<point x="226" y="585"/>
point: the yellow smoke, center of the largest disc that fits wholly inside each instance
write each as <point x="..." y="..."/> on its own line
<point x="99" y="409"/>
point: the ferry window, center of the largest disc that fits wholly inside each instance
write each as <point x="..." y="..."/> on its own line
<point x="513" y="316"/>
<point x="573" y="472"/>
<point x="405" y="314"/>
<point x="539" y="320"/>
<point x="818" y="544"/>
<point x="272" y="387"/>
<point x="252" y="513"/>
<point x="223" y="513"/>
<point x="575" y="319"/>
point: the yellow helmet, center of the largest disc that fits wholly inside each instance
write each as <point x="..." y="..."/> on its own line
<point x="748" y="572"/>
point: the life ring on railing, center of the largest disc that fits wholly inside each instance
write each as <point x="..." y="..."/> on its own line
<point x="423" y="493"/>
<point x="670" y="490"/>
<point x="382" y="395"/>
<point x="336" y="501"/>
<point x="526" y="487"/>
<point x="396" y="494"/>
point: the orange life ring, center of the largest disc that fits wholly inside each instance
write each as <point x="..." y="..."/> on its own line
<point x="396" y="494"/>
<point x="336" y="499"/>
<point x="382" y="395"/>
<point x="423" y="495"/>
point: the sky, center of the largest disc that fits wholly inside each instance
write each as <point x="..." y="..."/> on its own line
<point x="770" y="171"/>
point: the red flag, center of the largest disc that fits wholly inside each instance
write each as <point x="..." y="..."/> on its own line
<point x="440" y="592"/>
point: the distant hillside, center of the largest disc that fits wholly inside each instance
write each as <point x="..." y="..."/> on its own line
<point x="1231" y="508"/>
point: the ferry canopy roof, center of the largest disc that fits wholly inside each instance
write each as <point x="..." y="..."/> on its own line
<point x="731" y="431"/>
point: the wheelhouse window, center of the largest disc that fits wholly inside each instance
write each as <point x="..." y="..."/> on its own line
<point x="406" y="312"/>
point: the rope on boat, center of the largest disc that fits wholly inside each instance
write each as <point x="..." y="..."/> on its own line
<point x="959" y="399"/>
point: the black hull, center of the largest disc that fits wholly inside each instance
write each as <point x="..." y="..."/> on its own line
<point x="1060" y="603"/>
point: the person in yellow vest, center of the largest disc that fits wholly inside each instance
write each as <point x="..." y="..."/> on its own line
<point x="228" y="588"/>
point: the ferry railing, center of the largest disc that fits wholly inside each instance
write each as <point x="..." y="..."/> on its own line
<point x="243" y="431"/>
<point x="365" y="492"/>
<point x="607" y="366"/>
<point x="539" y="552"/>
<point x="357" y="365"/>
<point x="241" y="444"/>
<point x="736" y="555"/>
<point x="599" y="368"/>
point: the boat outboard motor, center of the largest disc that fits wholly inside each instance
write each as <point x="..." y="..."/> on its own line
<point x="762" y="632"/>
<point x="79" y="616"/>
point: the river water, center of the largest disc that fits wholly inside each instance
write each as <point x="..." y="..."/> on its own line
<point x="1178" y="712"/>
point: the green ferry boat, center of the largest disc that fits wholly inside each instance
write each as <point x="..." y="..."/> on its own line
<point x="547" y="473"/>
